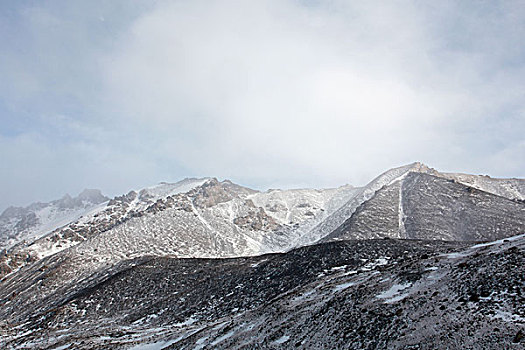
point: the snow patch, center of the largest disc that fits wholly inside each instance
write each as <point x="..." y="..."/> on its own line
<point x="343" y="286"/>
<point x="282" y="339"/>
<point x="508" y="317"/>
<point x="393" y="294"/>
<point x="222" y="338"/>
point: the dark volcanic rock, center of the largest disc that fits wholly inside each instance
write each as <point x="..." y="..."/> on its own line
<point x="423" y="206"/>
<point x="375" y="294"/>
<point x="441" y="209"/>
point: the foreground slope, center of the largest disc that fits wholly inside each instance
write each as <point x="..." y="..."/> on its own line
<point x="373" y="294"/>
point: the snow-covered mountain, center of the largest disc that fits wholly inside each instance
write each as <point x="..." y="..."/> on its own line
<point x="423" y="206"/>
<point x="24" y="224"/>
<point x="194" y="217"/>
<point x="206" y="218"/>
<point x="432" y="205"/>
<point x="363" y="194"/>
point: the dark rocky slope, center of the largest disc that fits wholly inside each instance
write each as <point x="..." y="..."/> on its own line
<point x="423" y="206"/>
<point x="373" y="294"/>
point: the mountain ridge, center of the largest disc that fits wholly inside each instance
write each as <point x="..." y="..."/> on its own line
<point x="253" y="221"/>
<point x="23" y="223"/>
<point x="206" y="220"/>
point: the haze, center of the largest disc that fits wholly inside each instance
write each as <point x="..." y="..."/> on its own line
<point x="124" y="94"/>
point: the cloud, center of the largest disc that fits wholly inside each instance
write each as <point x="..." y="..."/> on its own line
<point x="336" y="92"/>
<point x="33" y="161"/>
<point x="284" y="93"/>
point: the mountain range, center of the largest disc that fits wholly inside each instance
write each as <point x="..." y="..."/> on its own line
<point x="203" y="263"/>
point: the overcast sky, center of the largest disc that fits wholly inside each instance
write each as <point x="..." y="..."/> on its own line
<point x="119" y="95"/>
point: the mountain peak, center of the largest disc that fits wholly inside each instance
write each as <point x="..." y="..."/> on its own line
<point x="87" y="197"/>
<point x="421" y="167"/>
<point x="94" y="196"/>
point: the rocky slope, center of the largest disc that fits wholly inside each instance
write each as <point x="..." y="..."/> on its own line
<point x="424" y="206"/>
<point x="377" y="209"/>
<point x="194" y="217"/>
<point x="369" y="294"/>
<point x="208" y="218"/>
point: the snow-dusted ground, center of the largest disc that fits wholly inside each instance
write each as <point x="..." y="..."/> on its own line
<point x="381" y="294"/>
